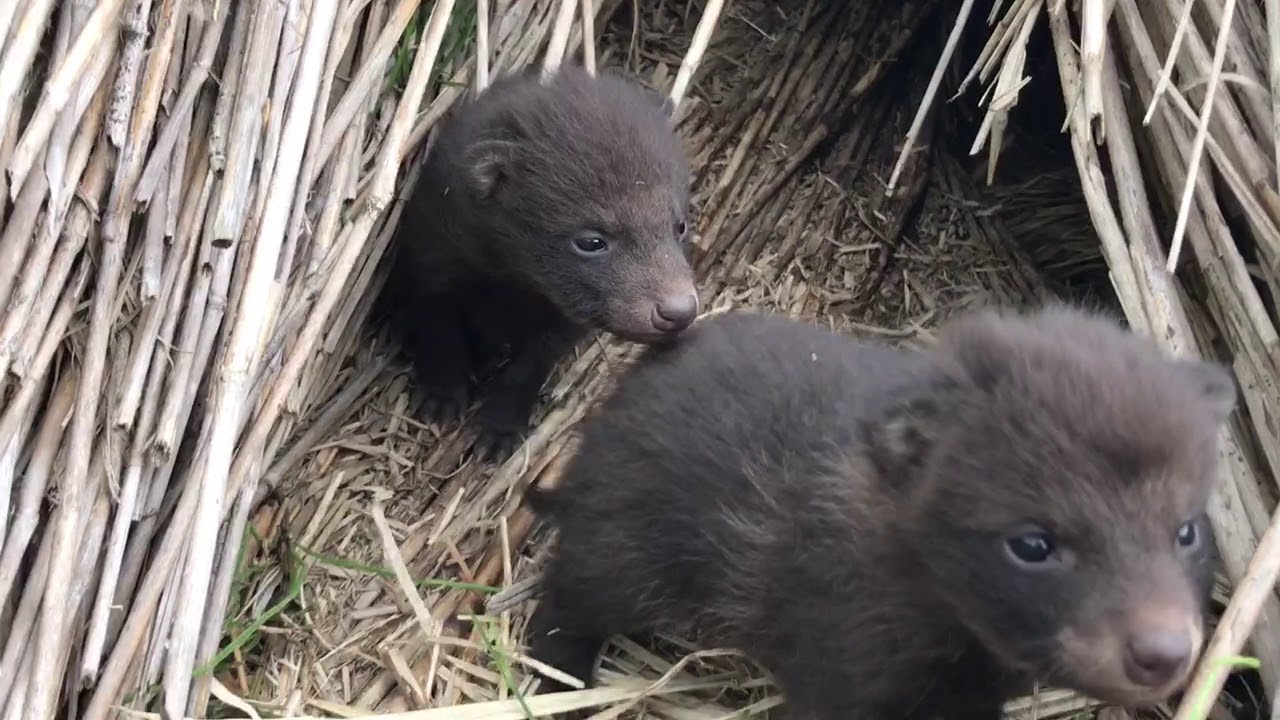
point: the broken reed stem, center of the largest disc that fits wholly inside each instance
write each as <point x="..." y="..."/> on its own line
<point x="559" y="38"/>
<point x="1093" y="45"/>
<point x="926" y="104"/>
<point x="1273" y="78"/>
<point x="1166" y="73"/>
<point x="482" y="45"/>
<point x="56" y="92"/>
<point x="697" y="48"/>
<point x="589" y="36"/>
<point x="1236" y="624"/>
<point x="1202" y="131"/>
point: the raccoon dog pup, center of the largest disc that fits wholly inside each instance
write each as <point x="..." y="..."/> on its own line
<point x="543" y="212"/>
<point x="898" y="534"/>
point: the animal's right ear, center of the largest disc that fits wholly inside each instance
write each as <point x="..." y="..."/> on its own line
<point x="661" y="99"/>
<point x="902" y="435"/>
<point x="1214" y="382"/>
<point x="489" y="163"/>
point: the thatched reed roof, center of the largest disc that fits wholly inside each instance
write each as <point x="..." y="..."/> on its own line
<point x="198" y="194"/>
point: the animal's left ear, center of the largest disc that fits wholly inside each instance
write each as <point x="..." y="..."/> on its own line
<point x="903" y="434"/>
<point x="662" y="100"/>
<point x="1213" y="381"/>
<point x="666" y="104"/>
<point x="489" y="163"/>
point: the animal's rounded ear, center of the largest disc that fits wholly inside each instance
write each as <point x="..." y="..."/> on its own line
<point x="490" y="163"/>
<point x="1214" y="382"/>
<point x="659" y="98"/>
<point x="903" y="434"/>
<point x="666" y="104"/>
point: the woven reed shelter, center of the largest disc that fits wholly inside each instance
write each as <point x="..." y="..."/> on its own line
<point x="216" y="499"/>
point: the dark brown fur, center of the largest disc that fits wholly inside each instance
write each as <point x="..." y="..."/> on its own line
<point x="487" y="262"/>
<point x="850" y="515"/>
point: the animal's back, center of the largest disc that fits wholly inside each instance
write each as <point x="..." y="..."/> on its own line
<point x="720" y="441"/>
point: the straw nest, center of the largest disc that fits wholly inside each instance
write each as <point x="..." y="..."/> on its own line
<point x="249" y="518"/>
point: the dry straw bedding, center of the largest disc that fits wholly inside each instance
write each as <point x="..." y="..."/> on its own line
<point x="200" y="239"/>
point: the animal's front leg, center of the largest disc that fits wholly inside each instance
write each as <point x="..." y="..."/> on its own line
<point x="504" y="416"/>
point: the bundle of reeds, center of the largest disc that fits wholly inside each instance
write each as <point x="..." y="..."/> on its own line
<point x="197" y="195"/>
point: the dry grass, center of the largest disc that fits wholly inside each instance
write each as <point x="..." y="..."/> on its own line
<point x="252" y="498"/>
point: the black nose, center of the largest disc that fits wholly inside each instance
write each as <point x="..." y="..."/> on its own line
<point x="675" y="313"/>
<point x="1154" y="658"/>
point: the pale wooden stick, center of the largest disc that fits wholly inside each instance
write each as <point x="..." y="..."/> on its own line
<point x="14" y="683"/>
<point x="10" y="458"/>
<point x="1242" y="612"/>
<point x="482" y="45"/>
<point x="179" y="117"/>
<point x="56" y="92"/>
<point x="1184" y="21"/>
<point x="944" y="61"/>
<point x="17" y="59"/>
<point x="245" y="128"/>
<point x="1093" y="41"/>
<point x="1202" y="131"/>
<point x="589" y="36"/>
<point x="133" y="23"/>
<point x="1273" y="76"/>
<point x="365" y="81"/>
<point x="559" y="38"/>
<point x="384" y="178"/>
<point x="429" y="625"/>
<point x="697" y="48"/>
<point x="7" y="12"/>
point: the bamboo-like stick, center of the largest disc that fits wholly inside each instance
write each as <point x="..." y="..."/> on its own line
<point x="482" y="45"/>
<point x="1202" y="131"/>
<point x="697" y="48"/>
<point x="360" y="87"/>
<point x="1247" y="598"/>
<point x="18" y="56"/>
<point x="1273" y="77"/>
<point x="56" y="93"/>
<point x="944" y="61"/>
<point x="589" y="36"/>
<point x="559" y="37"/>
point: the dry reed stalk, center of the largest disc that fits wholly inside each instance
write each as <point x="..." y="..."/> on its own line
<point x="482" y="45"/>
<point x="944" y="60"/>
<point x="559" y="37"/>
<point x="697" y="48"/>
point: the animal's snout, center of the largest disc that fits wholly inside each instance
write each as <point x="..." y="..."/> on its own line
<point x="675" y="313"/>
<point x="1154" y="658"/>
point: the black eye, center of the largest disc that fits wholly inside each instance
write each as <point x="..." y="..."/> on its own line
<point x="1031" y="548"/>
<point x="681" y="229"/>
<point x="590" y="244"/>
<point x="1187" y="535"/>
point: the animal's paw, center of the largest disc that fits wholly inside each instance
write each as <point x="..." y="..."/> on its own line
<point x="496" y="446"/>
<point x="445" y="405"/>
<point x="502" y="427"/>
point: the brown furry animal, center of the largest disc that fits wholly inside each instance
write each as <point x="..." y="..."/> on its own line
<point x="543" y="212"/>
<point x="898" y="534"/>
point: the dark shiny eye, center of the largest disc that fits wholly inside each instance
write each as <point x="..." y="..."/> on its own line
<point x="1031" y="548"/>
<point x="590" y="244"/>
<point x="681" y="229"/>
<point x="1188" y="535"/>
